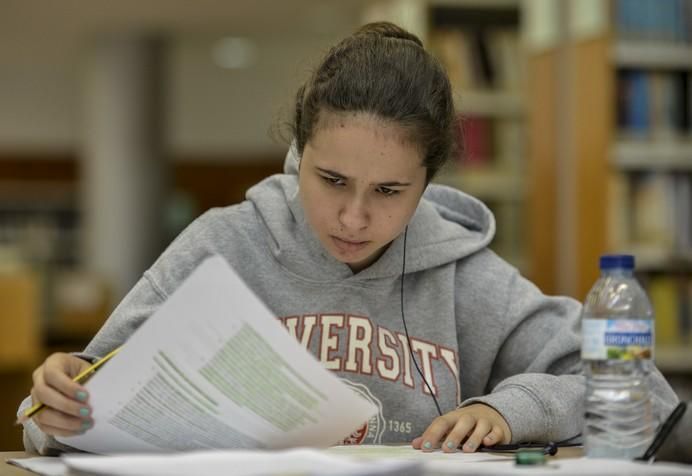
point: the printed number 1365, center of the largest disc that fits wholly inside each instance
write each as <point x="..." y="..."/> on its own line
<point x="400" y="426"/>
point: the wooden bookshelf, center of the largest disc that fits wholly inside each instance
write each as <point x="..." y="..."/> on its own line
<point x="40" y="228"/>
<point x="658" y="49"/>
<point x="674" y="359"/>
<point x="615" y="104"/>
<point x="570" y="129"/>
<point x="480" y="44"/>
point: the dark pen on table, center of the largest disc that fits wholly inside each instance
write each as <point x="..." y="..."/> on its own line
<point x="663" y="432"/>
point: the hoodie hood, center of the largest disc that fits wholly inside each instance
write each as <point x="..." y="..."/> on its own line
<point x="448" y="225"/>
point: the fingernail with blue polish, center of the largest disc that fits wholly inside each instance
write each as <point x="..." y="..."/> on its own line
<point x="81" y="396"/>
<point x="450" y="445"/>
<point x="84" y="411"/>
<point x="86" y="425"/>
<point x="427" y="445"/>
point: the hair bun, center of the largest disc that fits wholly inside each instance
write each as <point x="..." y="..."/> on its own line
<point x="386" y="29"/>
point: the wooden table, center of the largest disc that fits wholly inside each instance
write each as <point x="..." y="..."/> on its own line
<point x="10" y="470"/>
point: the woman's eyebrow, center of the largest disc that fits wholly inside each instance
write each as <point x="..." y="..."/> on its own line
<point x="394" y="184"/>
<point x="331" y="172"/>
<point x="383" y="184"/>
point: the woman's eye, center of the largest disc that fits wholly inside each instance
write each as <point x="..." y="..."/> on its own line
<point x="387" y="191"/>
<point x="332" y="180"/>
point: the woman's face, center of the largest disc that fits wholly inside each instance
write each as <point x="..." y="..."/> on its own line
<point x="360" y="183"/>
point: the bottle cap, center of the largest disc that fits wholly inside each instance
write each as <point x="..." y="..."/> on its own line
<point x="617" y="262"/>
<point x="529" y="457"/>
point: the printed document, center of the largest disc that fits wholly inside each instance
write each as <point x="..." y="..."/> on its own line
<point x="214" y="369"/>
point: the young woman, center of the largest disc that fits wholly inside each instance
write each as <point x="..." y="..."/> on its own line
<point x="384" y="277"/>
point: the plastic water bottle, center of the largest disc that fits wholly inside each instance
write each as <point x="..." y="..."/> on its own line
<point x="617" y="353"/>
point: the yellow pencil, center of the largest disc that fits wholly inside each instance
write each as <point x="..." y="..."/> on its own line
<point x="81" y="378"/>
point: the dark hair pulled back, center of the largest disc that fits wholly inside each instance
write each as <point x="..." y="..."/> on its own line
<point x="382" y="70"/>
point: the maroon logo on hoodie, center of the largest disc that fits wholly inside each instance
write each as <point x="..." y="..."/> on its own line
<point x="357" y="436"/>
<point x="349" y="343"/>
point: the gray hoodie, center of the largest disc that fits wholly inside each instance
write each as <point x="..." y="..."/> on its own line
<point x="480" y="332"/>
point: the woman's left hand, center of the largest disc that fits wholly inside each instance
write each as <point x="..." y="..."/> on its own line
<point x="477" y="424"/>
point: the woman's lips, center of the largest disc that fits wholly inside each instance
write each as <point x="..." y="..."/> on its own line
<point x="346" y="246"/>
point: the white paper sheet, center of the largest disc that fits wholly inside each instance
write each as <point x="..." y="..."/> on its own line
<point x="213" y="368"/>
<point x="354" y="460"/>
<point x="240" y="463"/>
<point x="44" y="465"/>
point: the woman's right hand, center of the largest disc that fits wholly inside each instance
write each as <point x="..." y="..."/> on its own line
<point x="67" y="411"/>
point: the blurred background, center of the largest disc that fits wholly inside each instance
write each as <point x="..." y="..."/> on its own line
<point x="120" y="122"/>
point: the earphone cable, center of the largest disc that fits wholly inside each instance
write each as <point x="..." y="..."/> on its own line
<point x="408" y="339"/>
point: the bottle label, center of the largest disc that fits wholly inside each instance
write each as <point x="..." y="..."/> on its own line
<point x="617" y="339"/>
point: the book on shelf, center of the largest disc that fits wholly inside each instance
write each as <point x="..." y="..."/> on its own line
<point x="654" y="20"/>
<point x="509" y="144"/>
<point x="483" y="67"/>
<point x="664" y="299"/>
<point x="651" y="212"/>
<point x="633" y="102"/>
<point x="653" y="206"/>
<point x="452" y="49"/>
<point x="669" y="112"/>
<point x="689" y="100"/>
<point x="654" y="104"/>
<point x="504" y="45"/>
<point x="686" y="312"/>
<point x="479" y="59"/>
<point x="619" y="211"/>
<point x="683" y="216"/>
<point x="671" y="299"/>
<point x="476" y="134"/>
<point x="44" y="232"/>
